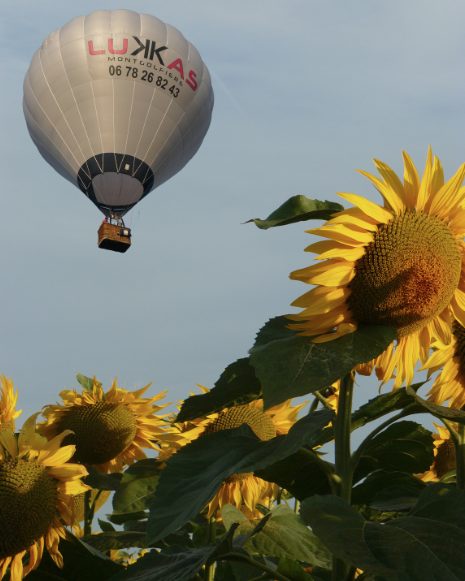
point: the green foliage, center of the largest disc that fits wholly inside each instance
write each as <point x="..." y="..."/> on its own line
<point x="181" y="565"/>
<point x="302" y="474"/>
<point x="388" y="491"/>
<point x="294" y="366"/>
<point x="237" y="385"/>
<point x="176" y="563"/>
<point x="403" y="446"/>
<point x="193" y="474"/>
<point x="137" y="485"/>
<point x="116" y="540"/>
<point x="284" y="535"/>
<point x="297" y="209"/>
<point x="378" y="407"/>
<point x="102" y="481"/>
<point x="426" y="544"/>
<point x="293" y="570"/>
<point x="439" y="411"/>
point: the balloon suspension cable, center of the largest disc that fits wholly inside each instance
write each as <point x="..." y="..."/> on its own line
<point x="115" y="219"/>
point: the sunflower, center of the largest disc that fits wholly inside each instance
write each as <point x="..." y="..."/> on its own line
<point x="444" y="456"/>
<point x="244" y="491"/>
<point x="110" y="429"/>
<point x="8" y="399"/>
<point x="399" y="265"/>
<point x="36" y="487"/>
<point x="449" y="385"/>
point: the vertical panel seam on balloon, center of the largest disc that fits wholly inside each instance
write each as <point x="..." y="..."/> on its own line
<point x="129" y="123"/>
<point x="75" y="100"/>
<point x="148" y="111"/>
<point x="113" y="100"/>
<point x="43" y="138"/>
<point x="155" y="136"/>
<point x="113" y="118"/>
<point x="162" y="121"/>
<point x="132" y="102"/>
<point x="143" y="129"/>
<point x="93" y="96"/>
<point x="54" y="126"/>
<point x="168" y="137"/>
<point x="60" y="109"/>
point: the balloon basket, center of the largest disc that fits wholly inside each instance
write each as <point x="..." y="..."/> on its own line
<point x="114" y="237"/>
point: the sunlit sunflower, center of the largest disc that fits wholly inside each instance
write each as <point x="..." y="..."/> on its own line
<point x="449" y="385"/>
<point x="399" y="265"/>
<point x="444" y="456"/>
<point x="36" y="487"/>
<point x="8" y="399"/>
<point x="127" y="558"/>
<point x="244" y="491"/>
<point x="110" y="429"/>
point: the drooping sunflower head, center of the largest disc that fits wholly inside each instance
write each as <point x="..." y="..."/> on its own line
<point x="399" y="265"/>
<point x="8" y="399"/>
<point x="37" y="484"/>
<point x="444" y="456"/>
<point x="244" y="491"/>
<point x="449" y="384"/>
<point x="260" y="423"/>
<point x="110" y="429"/>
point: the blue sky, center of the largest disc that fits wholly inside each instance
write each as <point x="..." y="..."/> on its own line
<point x="306" y="92"/>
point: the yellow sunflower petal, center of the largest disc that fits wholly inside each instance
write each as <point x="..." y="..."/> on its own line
<point x="411" y="181"/>
<point x="390" y="195"/>
<point x="370" y="208"/>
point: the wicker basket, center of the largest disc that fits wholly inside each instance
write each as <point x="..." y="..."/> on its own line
<point x="114" y="237"/>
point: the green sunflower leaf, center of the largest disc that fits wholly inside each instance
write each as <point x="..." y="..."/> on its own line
<point x="378" y="407"/>
<point x="193" y="475"/>
<point x="137" y="486"/>
<point x="237" y="385"/>
<point x="404" y="446"/>
<point x="274" y="329"/>
<point x="293" y="570"/>
<point x="283" y="535"/>
<point x="297" y="209"/>
<point x="120" y="518"/>
<point x="296" y="366"/>
<point x="425" y="544"/>
<point x="302" y="474"/>
<point x="439" y="411"/>
<point x="116" y="540"/>
<point x="102" y="481"/>
<point x="177" y="564"/>
<point x="388" y="491"/>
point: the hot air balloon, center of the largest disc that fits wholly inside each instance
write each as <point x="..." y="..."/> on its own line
<point x="117" y="102"/>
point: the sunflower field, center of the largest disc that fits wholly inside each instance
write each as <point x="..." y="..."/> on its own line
<point x="243" y="482"/>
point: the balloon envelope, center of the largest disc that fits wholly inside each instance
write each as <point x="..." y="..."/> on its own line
<point x="117" y="102"/>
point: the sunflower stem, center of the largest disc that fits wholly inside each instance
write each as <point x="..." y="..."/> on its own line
<point x="343" y="464"/>
<point x="87" y="513"/>
<point x="211" y="567"/>
<point x="314" y="405"/>
<point x="322" y="400"/>
<point x="459" y="444"/>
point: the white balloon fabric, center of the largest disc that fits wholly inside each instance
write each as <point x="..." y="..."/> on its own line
<point x="117" y="102"/>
